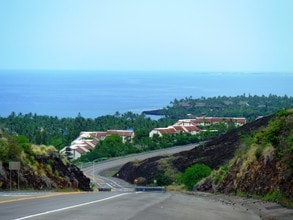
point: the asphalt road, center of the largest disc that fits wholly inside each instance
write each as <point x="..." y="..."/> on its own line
<point x="94" y="170"/>
<point x="120" y="205"/>
<point x="124" y="203"/>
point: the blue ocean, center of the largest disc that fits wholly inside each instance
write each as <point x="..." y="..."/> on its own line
<point x="93" y="94"/>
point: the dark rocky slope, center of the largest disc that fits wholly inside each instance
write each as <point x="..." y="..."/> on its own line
<point x="50" y="173"/>
<point x="213" y="153"/>
<point x="265" y="175"/>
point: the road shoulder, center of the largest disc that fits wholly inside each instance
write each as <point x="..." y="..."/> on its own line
<point x="266" y="210"/>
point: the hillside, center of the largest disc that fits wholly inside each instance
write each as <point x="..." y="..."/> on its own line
<point x="41" y="167"/>
<point x="253" y="159"/>
<point x="263" y="164"/>
<point x="213" y="153"/>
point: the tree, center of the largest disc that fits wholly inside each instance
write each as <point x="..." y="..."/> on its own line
<point x="14" y="150"/>
<point x="3" y="150"/>
<point x="110" y="147"/>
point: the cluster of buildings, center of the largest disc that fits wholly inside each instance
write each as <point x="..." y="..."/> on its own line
<point x="182" y="126"/>
<point x="87" y="140"/>
<point x="191" y="125"/>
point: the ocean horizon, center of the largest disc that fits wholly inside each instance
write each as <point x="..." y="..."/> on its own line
<point x="98" y="93"/>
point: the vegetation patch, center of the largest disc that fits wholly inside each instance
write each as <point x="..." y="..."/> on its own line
<point x="194" y="174"/>
<point x="167" y="173"/>
<point x="218" y="175"/>
<point x="221" y="106"/>
<point x="42" y="149"/>
<point x="262" y="166"/>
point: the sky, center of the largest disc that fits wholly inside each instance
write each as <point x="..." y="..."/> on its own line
<point x="147" y="35"/>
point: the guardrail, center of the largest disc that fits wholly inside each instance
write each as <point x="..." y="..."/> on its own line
<point x="103" y="189"/>
<point x="150" y="189"/>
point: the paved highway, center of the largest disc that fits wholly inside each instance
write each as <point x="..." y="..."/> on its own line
<point x="119" y="205"/>
<point x="118" y="184"/>
<point x="124" y="203"/>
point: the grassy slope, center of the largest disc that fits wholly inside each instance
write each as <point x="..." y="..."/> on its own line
<point x="262" y="166"/>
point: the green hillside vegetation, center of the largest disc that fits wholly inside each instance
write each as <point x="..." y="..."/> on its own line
<point x="112" y="146"/>
<point x="265" y="157"/>
<point x="41" y="167"/>
<point x="249" y="106"/>
<point x="59" y="132"/>
<point x="18" y="148"/>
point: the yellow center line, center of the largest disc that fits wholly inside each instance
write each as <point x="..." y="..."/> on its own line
<point x="39" y="197"/>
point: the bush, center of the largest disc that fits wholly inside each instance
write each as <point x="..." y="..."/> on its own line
<point x="194" y="174"/>
<point x="274" y="196"/>
<point x="162" y="179"/>
<point x="3" y="151"/>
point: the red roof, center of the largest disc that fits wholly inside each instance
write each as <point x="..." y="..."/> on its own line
<point x="240" y="120"/>
<point x="216" y="120"/>
<point x="121" y="132"/>
<point x="219" y="119"/>
<point x="89" y="146"/>
<point x="80" y="150"/>
<point x="95" y="141"/>
<point x="178" y="127"/>
<point x="166" y="130"/>
<point x="191" y="128"/>
<point x="99" y="134"/>
<point x="86" y="146"/>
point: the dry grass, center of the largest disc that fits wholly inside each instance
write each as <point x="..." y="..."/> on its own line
<point x="165" y="165"/>
<point x="176" y="188"/>
<point x="42" y="149"/>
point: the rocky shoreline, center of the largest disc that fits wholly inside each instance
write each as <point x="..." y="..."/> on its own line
<point x="157" y="112"/>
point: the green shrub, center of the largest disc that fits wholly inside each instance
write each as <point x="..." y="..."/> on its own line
<point x="162" y="179"/>
<point x="3" y="151"/>
<point x="279" y="197"/>
<point x="258" y="152"/>
<point x="273" y="197"/>
<point x="194" y="174"/>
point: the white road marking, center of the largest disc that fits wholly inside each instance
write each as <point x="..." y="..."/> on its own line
<point x="15" y="195"/>
<point x="114" y="182"/>
<point x="108" y="185"/>
<point x="71" y="207"/>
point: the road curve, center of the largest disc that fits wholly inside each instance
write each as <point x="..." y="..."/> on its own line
<point x="93" y="170"/>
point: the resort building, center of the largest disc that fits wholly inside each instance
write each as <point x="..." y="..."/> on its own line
<point x="175" y="129"/>
<point x="87" y="141"/>
<point x="191" y="125"/>
<point x="206" y="121"/>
